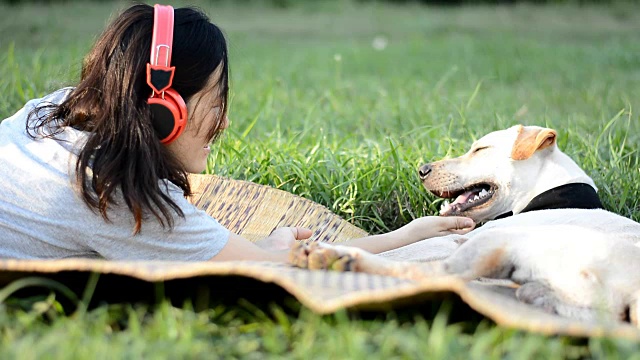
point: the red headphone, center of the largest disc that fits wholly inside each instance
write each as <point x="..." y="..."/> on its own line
<point x="168" y="109"/>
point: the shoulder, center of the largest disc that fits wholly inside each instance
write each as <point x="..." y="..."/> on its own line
<point x="21" y="116"/>
<point x="56" y="97"/>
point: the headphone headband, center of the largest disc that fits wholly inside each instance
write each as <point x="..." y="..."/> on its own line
<point x="162" y="39"/>
<point x="169" y="111"/>
<point x="159" y="69"/>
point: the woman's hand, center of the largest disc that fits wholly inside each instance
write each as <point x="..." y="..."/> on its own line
<point x="283" y="238"/>
<point x="432" y="226"/>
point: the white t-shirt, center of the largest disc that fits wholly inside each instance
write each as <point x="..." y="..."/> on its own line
<point x="42" y="215"/>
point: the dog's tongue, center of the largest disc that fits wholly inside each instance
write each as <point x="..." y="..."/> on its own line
<point x="461" y="199"/>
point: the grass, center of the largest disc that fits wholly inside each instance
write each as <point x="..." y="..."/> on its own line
<point x="318" y="111"/>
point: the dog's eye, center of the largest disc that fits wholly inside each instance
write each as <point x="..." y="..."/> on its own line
<point x="478" y="149"/>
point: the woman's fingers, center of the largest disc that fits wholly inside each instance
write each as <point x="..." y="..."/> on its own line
<point x="298" y="233"/>
<point x="302" y="233"/>
<point x="456" y="224"/>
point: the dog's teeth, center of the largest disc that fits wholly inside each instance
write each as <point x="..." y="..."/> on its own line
<point x="476" y="198"/>
<point x="444" y="205"/>
<point x="483" y="193"/>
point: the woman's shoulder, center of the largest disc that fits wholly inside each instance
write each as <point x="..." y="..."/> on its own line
<point x="58" y="96"/>
<point x="16" y="129"/>
<point x="55" y="97"/>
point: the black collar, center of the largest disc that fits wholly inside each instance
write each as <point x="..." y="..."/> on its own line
<point x="568" y="196"/>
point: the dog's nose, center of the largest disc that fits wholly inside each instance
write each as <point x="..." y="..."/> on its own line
<point x="424" y="171"/>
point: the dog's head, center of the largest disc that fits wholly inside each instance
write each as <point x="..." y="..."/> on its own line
<point x="495" y="176"/>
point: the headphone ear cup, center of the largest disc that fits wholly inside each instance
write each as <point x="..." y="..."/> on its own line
<point x="169" y="115"/>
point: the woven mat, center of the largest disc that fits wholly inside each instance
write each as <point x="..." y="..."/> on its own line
<point x="254" y="211"/>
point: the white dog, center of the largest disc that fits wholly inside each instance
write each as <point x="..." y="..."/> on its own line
<point x="551" y="235"/>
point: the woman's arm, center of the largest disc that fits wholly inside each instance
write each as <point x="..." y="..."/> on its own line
<point x="418" y="229"/>
<point x="276" y="246"/>
<point x="239" y="248"/>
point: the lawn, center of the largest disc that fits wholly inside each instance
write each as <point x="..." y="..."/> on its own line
<point x="340" y="102"/>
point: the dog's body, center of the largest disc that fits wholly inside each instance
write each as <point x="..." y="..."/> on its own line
<point x="532" y="224"/>
<point x="569" y="255"/>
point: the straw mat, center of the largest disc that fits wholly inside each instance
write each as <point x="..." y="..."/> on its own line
<point x="253" y="211"/>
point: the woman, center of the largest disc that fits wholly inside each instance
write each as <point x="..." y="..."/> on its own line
<point x="91" y="171"/>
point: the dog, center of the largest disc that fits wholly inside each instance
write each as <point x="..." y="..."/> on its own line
<point x="544" y="229"/>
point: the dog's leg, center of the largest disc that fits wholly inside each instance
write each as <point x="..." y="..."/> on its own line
<point x="537" y="294"/>
<point x="540" y="295"/>
<point x="426" y="250"/>
<point x="322" y="256"/>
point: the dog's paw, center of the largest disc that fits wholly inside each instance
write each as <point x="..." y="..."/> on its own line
<point x="542" y="296"/>
<point x="539" y="295"/>
<point x="321" y="256"/>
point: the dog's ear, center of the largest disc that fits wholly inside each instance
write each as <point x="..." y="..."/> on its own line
<point x="530" y="140"/>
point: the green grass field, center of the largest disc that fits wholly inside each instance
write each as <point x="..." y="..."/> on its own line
<point x="317" y="110"/>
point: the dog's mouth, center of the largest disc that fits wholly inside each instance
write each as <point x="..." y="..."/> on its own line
<point x="459" y="201"/>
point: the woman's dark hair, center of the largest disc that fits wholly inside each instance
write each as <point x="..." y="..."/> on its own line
<point x="110" y="103"/>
